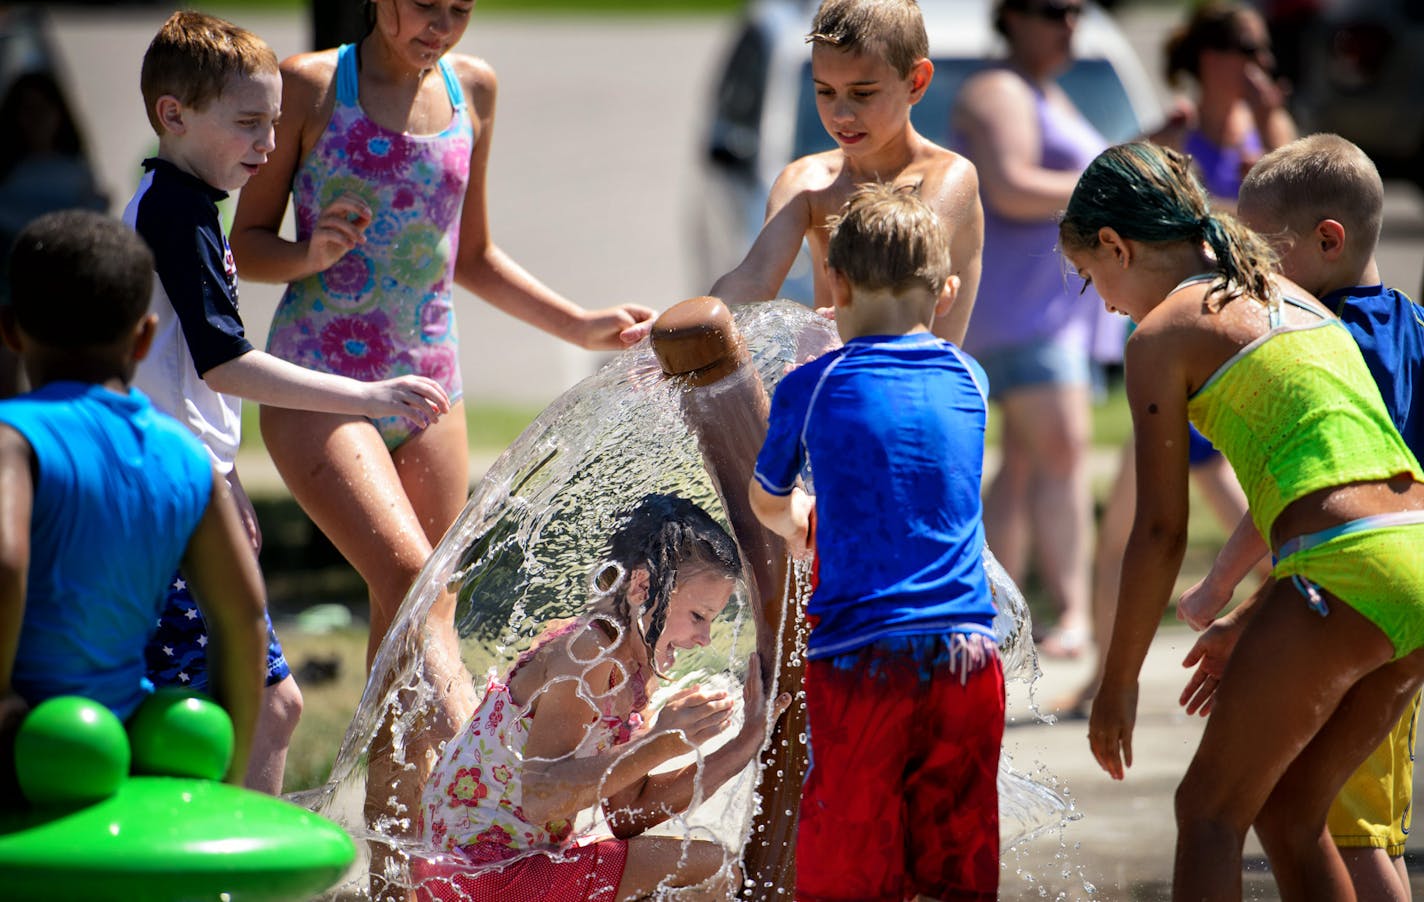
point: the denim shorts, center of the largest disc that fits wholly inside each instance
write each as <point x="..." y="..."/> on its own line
<point x="1026" y="366"/>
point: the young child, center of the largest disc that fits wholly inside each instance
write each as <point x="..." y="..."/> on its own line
<point x="869" y="62"/>
<point x="904" y="688"/>
<point x="211" y="91"/>
<point x="1319" y="200"/>
<point x="103" y="496"/>
<point x="569" y="728"/>
<point x="1329" y="657"/>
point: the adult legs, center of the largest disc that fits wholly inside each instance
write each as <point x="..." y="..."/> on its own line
<point x="1284" y="683"/>
<point x="1043" y="482"/>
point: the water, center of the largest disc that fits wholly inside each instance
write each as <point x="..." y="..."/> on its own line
<point x="519" y="558"/>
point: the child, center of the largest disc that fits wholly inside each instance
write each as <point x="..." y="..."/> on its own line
<point x="904" y="688"/>
<point x="211" y="91"/>
<point x="869" y="64"/>
<point x="382" y="148"/>
<point x="1330" y="656"/>
<point x="102" y="495"/>
<point x="569" y="728"/>
<point x="1320" y="201"/>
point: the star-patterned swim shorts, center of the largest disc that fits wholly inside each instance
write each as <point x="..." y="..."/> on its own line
<point x="177" y="652"/>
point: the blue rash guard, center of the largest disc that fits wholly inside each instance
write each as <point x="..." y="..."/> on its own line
<point x="892" y="428"/>
<point x="1389" y="329"/>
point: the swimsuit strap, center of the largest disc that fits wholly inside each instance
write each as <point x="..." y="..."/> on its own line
<point x="347" y="76"/>
<point x="452" y="85"/>
<point x="1378" y="521"/>
<point x="1192" y="280"/>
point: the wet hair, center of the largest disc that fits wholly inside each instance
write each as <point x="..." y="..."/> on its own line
<point x="79" y="279"/>
<point x="888" y="238"/>
<point x="666" y="535"/>
<point x="1318" y="177"/>
<point x="893" y="30"/>
<point x="193" y="56"/>
<point x="1149" y="193"/>
<point x="1214" y="25"/>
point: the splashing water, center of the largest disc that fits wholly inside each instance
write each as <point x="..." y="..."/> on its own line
<point x="519" y="559"/>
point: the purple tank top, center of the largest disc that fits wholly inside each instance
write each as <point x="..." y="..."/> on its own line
<point x="1222" y="168"/>
<point x="1024" y="294"/>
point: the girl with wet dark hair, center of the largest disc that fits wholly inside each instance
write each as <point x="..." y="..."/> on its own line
<point x="1333" y="646"/>
<point x="570" y="728"/>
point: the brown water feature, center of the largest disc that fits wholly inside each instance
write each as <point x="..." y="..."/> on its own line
<point x="697" y="343"/>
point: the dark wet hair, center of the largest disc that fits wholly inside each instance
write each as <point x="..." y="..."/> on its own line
<point x="665" y="535"/>
<point x="1149" y="193"/>
<point x="79" y="279"/>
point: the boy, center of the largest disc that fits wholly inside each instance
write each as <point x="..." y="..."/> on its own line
<point x="211" y="91"/>
<point x="869" y="64"/>
<point x="904" y="688"/>
<point x="102" y="495"/>
<point x="1320" y="201"/>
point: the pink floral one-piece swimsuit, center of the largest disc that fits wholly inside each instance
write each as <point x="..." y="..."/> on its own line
<point x="384" y="309"/>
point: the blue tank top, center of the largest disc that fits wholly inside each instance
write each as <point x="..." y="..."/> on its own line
<point x="1024" y="294"/>
<point x="119" y="488"/>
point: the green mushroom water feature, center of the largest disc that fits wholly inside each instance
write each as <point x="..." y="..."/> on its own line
<point x="140" y="815"/>
<point x="518" y="559"/>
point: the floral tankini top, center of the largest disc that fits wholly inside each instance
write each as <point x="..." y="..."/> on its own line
<point x="472" y="802"/>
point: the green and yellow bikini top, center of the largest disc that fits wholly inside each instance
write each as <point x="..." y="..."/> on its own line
<point x="1296" y="411"/>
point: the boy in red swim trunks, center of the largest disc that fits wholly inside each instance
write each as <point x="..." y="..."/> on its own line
<point x="904" y="687"/>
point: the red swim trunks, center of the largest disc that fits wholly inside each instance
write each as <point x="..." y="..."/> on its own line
<point x="901" y="796"/>
<point x="581" y="874"/>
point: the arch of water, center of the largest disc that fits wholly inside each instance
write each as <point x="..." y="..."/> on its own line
<point x="518" y="559"/>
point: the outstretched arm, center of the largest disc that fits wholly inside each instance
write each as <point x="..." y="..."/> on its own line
<point x="1157" y="397"/>
<point x="260" y="377"/>
<point x="483" y="268"/>
<point x="1242" y="552"/>
<point x="788" y="218"/>
<point x="789" y="516"/>
<point x="227" y="585"/>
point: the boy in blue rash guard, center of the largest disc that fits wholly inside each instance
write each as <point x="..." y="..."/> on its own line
<point x="101" y="495"/>
<point x="1320" y="201"/>
<point x="901" y="646"/>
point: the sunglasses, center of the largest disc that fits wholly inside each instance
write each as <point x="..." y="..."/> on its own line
<point x="1053" y="12"/>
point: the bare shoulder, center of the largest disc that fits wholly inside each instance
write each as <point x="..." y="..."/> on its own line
<point x="984" y="92"/>
<point x="476" y="76"/>
<point x="307" y="79"/>
<point x="813" y="172"/>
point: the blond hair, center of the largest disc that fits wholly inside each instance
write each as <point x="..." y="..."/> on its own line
<point x="192" y="57"/>
<point x="888" y="238"/>
<point x="893" y="30"/>
<point x="1319" y="177"/>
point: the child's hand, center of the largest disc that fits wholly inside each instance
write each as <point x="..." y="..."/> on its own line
<point x="755" y="723"/>
<point x="1210" y="653"/>
<point x="616" y="328"/>
<point x="417" y="398"/>
<point x="1110" y="727"/>
<point x="697" y="714"/>
<point x="340" y="226"/>
<point x="1200" y="604"/>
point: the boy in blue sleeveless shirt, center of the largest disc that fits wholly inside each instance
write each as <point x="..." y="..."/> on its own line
<point x="1320" y="201"/>
<point x="103" y="496"/>
<point x="904" y="688"/>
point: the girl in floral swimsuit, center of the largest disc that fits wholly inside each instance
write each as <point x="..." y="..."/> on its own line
<point x="569" y="728"/>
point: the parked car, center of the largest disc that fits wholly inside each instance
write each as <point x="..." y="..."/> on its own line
<point x="764" y="111"/>
<point x="1359" y="72"/>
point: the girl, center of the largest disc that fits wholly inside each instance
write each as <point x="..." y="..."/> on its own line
<point x="569" y="728"/>
<point x="1330" y="655"/>
<point x="383" y="145"/>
